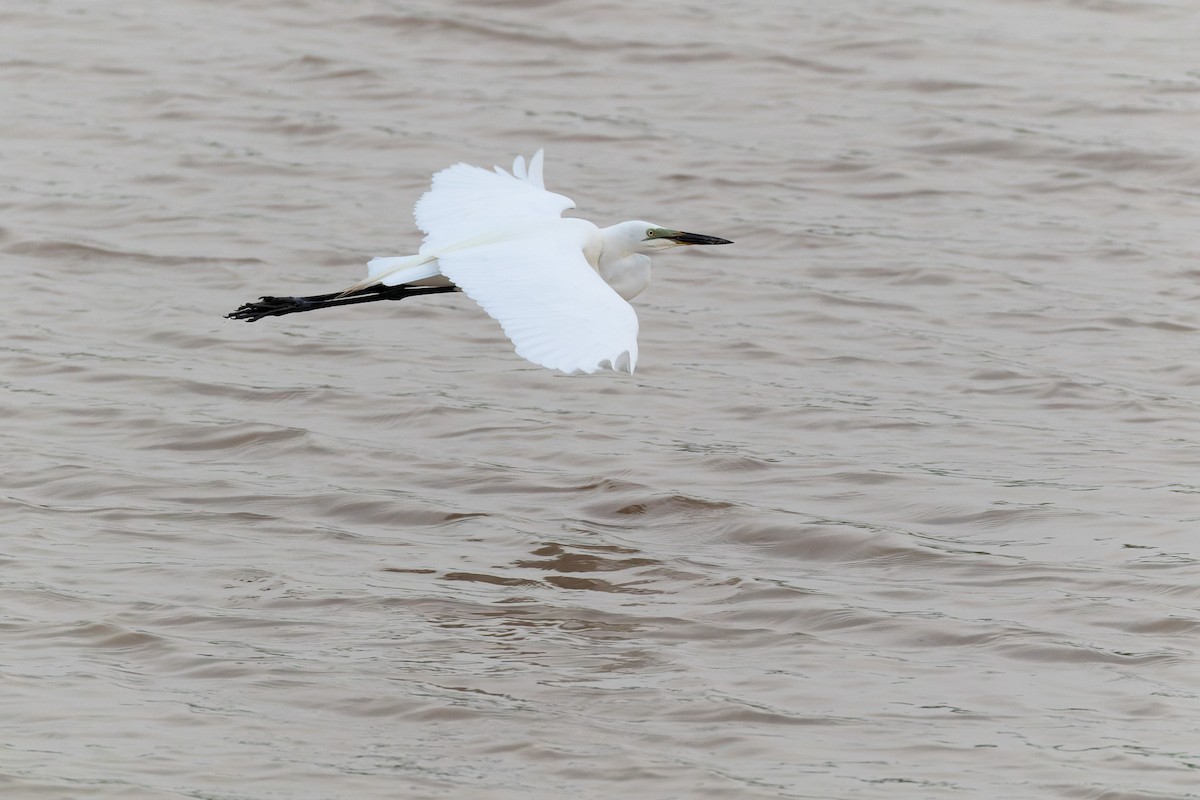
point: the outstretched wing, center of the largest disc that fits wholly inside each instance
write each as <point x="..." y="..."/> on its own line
<point x="550" y="302"/>
<point x="501" y="238"/>
<point x="464" y="204"/>
<point x="467" y="202"/>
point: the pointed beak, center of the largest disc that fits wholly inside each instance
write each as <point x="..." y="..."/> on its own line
<point x="682" y="237"/>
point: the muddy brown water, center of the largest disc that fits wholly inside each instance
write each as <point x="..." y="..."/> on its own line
<point x="902" y="501"/>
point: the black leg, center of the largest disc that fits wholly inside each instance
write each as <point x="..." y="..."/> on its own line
<point x="278" y="306"/>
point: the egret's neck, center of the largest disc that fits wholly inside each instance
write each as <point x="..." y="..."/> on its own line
<point x="620" y="265"/>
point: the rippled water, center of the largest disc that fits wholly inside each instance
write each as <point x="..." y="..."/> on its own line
<point x="901" y="502"/>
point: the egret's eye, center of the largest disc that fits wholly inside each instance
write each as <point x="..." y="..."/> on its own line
<point x="650" y="233"/>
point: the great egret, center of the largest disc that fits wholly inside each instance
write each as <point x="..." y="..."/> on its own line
<point x="557" y="286"/>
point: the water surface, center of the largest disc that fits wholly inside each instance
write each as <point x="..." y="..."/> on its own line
<point x="901" y="502"/>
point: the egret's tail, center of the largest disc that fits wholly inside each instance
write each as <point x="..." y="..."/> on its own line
<point x="395" y="270"/>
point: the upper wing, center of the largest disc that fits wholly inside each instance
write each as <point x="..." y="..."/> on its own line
<point x="550" y="302"/>
<point x="467" y="202"/>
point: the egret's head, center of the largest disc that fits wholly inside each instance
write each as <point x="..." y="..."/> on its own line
<point x="651" y="237"/>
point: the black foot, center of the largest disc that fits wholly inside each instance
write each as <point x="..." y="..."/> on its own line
<point x="271" y="307"/>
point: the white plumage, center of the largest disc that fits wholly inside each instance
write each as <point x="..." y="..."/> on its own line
<point x="557" y="286"/>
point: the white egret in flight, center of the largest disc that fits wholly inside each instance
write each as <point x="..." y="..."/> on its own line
<point x="557" y="286"/>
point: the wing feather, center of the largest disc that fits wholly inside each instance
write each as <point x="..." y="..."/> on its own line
<point x="558" y="312"/>
<point x="501" y="238"/>
<point x="535" y="171"/>
<point x="466" y="202"/>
